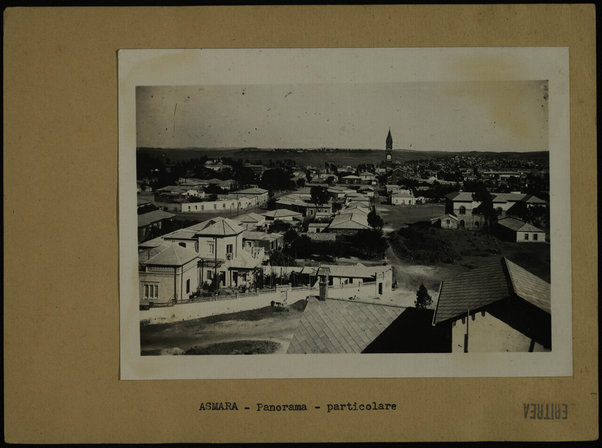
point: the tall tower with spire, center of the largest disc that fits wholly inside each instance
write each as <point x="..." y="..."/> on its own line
<point x="389" y="152"/>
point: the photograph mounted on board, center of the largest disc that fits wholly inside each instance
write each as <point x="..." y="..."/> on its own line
<point x="410" y="223"/>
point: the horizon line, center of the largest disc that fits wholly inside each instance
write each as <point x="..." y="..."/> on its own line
<point x="264" y="148"/>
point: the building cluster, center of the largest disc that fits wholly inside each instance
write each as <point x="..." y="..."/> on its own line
<point x="497" y="307"/>
<point x="463" y="211"/>
<point x="194" y="199"/>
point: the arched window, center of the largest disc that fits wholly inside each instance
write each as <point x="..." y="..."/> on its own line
<point x="462" y="210"/>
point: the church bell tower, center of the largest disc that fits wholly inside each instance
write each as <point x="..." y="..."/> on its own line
<point x="389" y="152"/>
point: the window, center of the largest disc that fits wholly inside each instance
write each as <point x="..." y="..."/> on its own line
<point x="462" y="210"/>
<point x="209" y="275"/>
<point x="187" y="286"/>
<point x="228" y="248"/>
<point x="151" y="291"/>
<point x="526" y="236"/>
<point x="223" y="205"/>
<point x="211" y="248"/>
<point x="535" y="237"/>
<point x="195" y="207"/>
<point x="447" y="221"/>
<point x="202" y="207"/>
<point x="499" y="211"/>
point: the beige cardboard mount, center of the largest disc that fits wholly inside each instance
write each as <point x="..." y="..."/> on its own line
<point x="61" y="305"/>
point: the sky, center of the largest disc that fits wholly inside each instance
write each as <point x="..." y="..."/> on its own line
<point x="433" y="116"/>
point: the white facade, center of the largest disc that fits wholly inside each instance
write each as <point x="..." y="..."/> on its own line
<point x="487" y="333"/>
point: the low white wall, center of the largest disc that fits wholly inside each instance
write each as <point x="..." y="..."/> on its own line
<point x="196" y="310"/>
<point x="364" y="291"/>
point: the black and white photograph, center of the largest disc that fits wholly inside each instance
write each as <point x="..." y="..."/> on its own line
<point x="402" y="211"/>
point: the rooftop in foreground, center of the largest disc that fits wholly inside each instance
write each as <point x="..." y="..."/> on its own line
<point x="341" y="326"/>
<point x="493" y="282"/>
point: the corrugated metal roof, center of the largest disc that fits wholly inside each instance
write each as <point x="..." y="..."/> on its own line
<point x="461" y="196"/>
<point x="517" y="225"/>
<point x="181" y="234"/>
<point x="508" y="197"/>
<point x="340" y="326"/>
<point x="249" y="218"/>
<point x="153" y="216"/>
<point x="171" y="255"/>
<point x="531" y="199"/>
<point x="282" y="213"/>
<point x="252" y="190"/>
<point x="350" y="221"/>
<point x="218" y="226"/>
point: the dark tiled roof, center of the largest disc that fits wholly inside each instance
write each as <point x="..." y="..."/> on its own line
<point x="529" y="287"/>
<point x="495" y="281"/>
<point x="472" y="290"/>
<point x="340" y="326"/>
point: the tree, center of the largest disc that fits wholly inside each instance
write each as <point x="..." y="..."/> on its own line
<point x="485" y="207"/>
<point x="374" y="220"/>
<point x="423" y="299"/>
<point x="336" y="206"/>
<point x="280" y="226"/>
<point x="290" y="236"/>
<point x="301" y="182"/>
<point x="369" y="242"/>
<point x="279" y="258"/>
<point x="271" y="205"/>
<point x="319" y="195"/>
<point x="214" y="189"/>
<point x="277" y="179"/>
<point x="301" y="247"/>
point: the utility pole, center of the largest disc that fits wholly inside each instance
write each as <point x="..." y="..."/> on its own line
<point x="215" y="264"/>
<point x="466" y="335"/>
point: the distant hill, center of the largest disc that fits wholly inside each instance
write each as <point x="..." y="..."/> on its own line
<point x="318" y="157"/>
